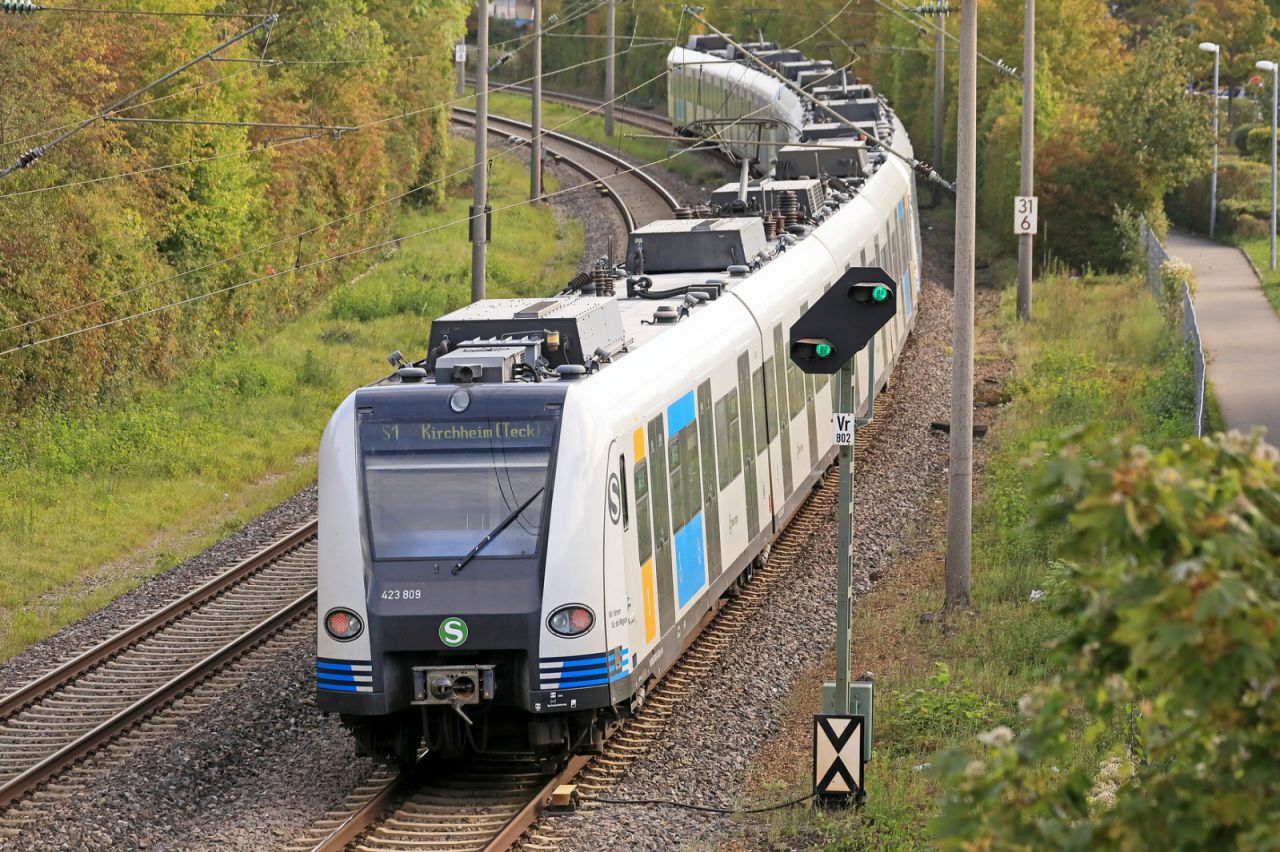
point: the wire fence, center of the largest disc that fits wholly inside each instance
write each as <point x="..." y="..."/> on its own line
<point x="1156" y="256"/>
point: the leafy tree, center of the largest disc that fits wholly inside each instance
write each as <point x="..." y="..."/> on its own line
<point x="1244" y="29"/>
<point x="1161" y="133"/>
<point x="1171" y="664"/>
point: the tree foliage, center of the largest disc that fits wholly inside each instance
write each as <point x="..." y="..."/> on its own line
<point x="1172" y="661"/>
<point x="125" y="245"/>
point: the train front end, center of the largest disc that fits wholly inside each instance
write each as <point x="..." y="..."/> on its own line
<point x="435" y="519"/>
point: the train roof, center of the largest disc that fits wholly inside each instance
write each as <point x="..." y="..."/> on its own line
<point x="674" y="271"/>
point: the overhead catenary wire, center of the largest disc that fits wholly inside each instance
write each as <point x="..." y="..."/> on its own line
<point x="374" y="247"/>
<point x="29" y="157"/>
<point x="920" y="167"/>
<point x="302" y="234"/>
<point x="273" y="143"/>
<point x="302" y="267"/>
<point x="85" y="10"/>
<point x="920" y="20"/>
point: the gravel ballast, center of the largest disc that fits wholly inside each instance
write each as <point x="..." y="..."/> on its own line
<point x="711" y="740"/>
<point x="261" y="763"/>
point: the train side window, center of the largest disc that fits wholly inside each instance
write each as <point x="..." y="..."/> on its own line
<point x="675" y="476"/>
<point x="622" y="487"/>
<point x="644" y="526"/>
<point x="762" y="418"/>
<point x="722" y="442"/>
<point x="735" y="434"/>
<point x="771" y="399"/>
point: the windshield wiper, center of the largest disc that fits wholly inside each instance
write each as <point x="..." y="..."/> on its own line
<point x="496" y="531"/>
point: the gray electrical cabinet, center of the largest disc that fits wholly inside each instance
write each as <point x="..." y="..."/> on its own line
<point x="767" y="194"/>
<point x="584" y="324"/>
<point x="695" y="245"/>
<point x="857" y="109"/>
<point x="839" y="158"/>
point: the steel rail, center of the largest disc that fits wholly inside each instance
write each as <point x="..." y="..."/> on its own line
<point x="20" y="785"/>
<point x="465" y="117"/>
<point x="73" y="668"/>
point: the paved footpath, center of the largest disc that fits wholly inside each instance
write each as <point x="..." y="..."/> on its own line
<point x="1240" y="330"/>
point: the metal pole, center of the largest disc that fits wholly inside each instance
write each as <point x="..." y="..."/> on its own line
<point x="1275" y="82"/>
<point x="960" y="494"/>
<point x="608" y="70"/>
<point x="939" y="106"/>
<point x="1213" y="180"/>
<point x="480" y="176"/>
<point x="1026" y="187"/>
<point x="535" y="137"/>
<point x="460" y="65"/>
<point x="844" y="546"/>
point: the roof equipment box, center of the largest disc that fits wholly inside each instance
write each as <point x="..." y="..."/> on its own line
<point x="585" y="324"/>
<point x="767" y="194"/>
<point x="695" y="245"/>
<point x="839" y="157"/>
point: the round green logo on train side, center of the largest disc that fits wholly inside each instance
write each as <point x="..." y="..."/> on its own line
<point x="453" y="631"/>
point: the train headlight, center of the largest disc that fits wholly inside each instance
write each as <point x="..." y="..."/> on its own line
<point x="570" y="621"/>
<point x="343" y="624"/>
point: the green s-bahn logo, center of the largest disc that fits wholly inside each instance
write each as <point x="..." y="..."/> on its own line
<point x="453" y="631"/>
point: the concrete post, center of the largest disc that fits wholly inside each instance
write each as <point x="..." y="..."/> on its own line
<point x="609" y="69"/>
<point x="960" y="494"/>
<point x="1027" y="185"/>
<point x="480" y="176"/>
<point x="535" y="138"/>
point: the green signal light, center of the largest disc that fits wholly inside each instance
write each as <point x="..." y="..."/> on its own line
<point x="823" y="350"/>
<point x="880" y="293"/>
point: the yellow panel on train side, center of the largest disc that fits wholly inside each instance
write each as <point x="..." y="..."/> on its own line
<point x="650" y="603"/>
<point x="637" y="440"/>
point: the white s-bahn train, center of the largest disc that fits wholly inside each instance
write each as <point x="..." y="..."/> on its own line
<point x="518" y="533"/>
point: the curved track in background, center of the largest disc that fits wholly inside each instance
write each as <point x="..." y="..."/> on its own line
<point x="638" y="197"/>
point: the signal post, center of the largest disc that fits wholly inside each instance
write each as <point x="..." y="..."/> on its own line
<point x="824" y="341"/>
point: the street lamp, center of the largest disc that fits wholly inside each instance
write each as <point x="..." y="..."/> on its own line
<point x="1213" y="181"/>
<point x="1264" y="65"/>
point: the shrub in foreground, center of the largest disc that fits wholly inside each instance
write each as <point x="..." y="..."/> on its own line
<point x="1171" y="664"/>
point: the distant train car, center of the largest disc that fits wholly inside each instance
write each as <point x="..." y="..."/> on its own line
<point x="519" y="532"/>
<point x="748" y="112"/>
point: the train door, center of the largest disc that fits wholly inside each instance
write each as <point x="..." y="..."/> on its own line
<point x="644" y="540"/>
<point x="622" y="593"/>
<point x="658" y="489"/>
<point x="751" y="445"/>
<point x="687" y="518"/>
<point x="782" y="407"/>
<point x="710" y="487"/>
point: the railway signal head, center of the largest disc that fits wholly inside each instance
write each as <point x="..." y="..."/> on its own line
<point x="844" y="320"/>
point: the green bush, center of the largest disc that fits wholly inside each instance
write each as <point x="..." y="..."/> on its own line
<point x="1240" y="135"/>
<point x="1170" y="664"/>
<point x="921" y="720"/>
<point x="1258" y="144"/>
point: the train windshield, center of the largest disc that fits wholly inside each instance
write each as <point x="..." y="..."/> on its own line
<point x="435" y="489"/>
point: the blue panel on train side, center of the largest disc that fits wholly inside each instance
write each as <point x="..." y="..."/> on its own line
<point x="906" y="289"/>
<point x="691" y="560"/>
<point x="902" y="211"/>
<point x="680" y="414"/>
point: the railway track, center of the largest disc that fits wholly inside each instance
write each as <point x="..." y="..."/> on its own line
<point x="66" y="715"/>
<point x="638" y="197"/>
<point x="63" y="716"/>
<point x="494" y="805"/>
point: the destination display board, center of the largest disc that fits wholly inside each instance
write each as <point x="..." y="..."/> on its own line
<point x="410" y="435"/>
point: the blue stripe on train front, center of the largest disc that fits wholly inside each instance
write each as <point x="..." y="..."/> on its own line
<point x="588" y="670"/>
<point x="344" y="676"/>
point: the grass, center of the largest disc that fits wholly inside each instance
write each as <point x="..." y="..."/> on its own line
<point x="1098" y="353"/>
<point x="694" y="167"/>
<point x="91" y="505"/>
<point x="1259" y="251"/>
